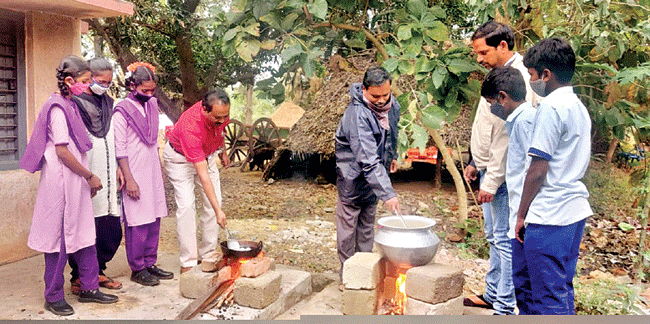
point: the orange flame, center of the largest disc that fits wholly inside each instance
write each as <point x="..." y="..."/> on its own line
<point x="400" y="292"/>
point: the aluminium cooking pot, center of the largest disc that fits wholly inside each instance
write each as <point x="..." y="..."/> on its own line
<point x="411" y="246"/>
<point x="255" y="249"/>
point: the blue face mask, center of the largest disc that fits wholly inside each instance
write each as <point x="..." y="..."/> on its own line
<point x="498" y="109"/>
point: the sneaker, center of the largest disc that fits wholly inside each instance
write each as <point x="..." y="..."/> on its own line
<point x="96" y="296"/>
<point x="144" y="278"/>
<point x="61" y="308"/>
<point x="160" y="273"/>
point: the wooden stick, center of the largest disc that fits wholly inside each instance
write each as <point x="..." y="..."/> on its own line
<point x="200" y="303"/>
<point x="225" y="295"/>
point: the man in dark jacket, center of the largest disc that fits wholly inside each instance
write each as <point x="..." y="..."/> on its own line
<point x="366" y="150"/>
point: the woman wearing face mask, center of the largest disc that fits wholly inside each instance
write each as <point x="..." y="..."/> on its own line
<point x="136" y="148"/>
<point x="96" y="110"/>
<point x="63" y="225"/>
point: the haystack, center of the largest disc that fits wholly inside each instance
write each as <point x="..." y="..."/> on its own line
<point x="287" y="114"/>
<point x="309" y="146"/>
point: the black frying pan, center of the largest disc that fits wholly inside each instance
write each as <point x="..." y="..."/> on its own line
<point x="256" y="247"/>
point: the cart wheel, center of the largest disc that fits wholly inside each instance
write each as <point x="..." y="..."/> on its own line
<point x="234" y="141"/>
<point x="264" y="133"/>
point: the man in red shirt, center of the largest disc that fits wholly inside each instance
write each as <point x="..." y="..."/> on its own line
<point x="191" y="158"/>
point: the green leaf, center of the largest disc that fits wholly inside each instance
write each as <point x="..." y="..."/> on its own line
<point x="272" y="20"/>
<point x="291" y="51"/>
<point x="355" y="43"/>
<point x="428" y="20"/>
<point x="391" y="64"/>
<point x="439" y="76"/>
<point x="253" y="29"/>
<point x="308" y="65"/>
<point x="625" y="227"/>
<point x="404" y="32"/>
<point x="451" y="98"/>
<point x="416" y="7"/>
<point x="392" y="50"/>
<point x="438" y="32"/>
<point x="318" y="8"/>
<point x="438" y="12"/>
<point x="421" y="65"/>
<point x="262" y="7"/>
<point x="247" y="49"/>
<point x="458" y="66"/>
<point x="230" y="34"/>
<point x="287" y="23"/>
<point x="420" y="137"/>
<point x="405" y="67"/>
<point x="433" y="117"/>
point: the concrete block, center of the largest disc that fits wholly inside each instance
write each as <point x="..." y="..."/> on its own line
<point x="213" y="262"/>
<point x="434" y="283"/>
<point x="363" y="271"/>
<point x="257" y="266"/>
<point x="453" y="306"/>
<point x="321" y="280"/>
<point x="194" y="283"/>
<point x="258" y="292"/>
<point x="360" y="302"/>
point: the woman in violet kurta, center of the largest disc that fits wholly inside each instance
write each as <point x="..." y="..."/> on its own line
<point x="136" y="149"/>
<point x="63" y="225"/>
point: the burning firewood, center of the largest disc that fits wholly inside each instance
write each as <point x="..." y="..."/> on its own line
<point x="200" y="304"/>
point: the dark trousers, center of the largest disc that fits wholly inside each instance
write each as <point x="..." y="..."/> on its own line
<point x="354" y="229"/>
<point x="544" y="267"/>
<point x="108" y="232"/>
<point x="86" y="258"/>
<point x="141" y="244"/>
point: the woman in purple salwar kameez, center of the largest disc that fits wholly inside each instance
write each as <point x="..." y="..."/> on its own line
<point x="136" y="150"/>
<point x="63" y="222"/>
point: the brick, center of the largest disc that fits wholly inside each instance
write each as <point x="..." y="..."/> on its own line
<point x="434" y="283"/>
<point x="194" y="283"/>
<point x="222" y="275"/>
<point x="360" y="301"/>
<point x="258" y="292"/>
<point x="363" y="271"/>
<point x="213" y="262"/>
<point x="257" y="266"/>
<point x="453" y="306"/>
<point x="389" y="287"/>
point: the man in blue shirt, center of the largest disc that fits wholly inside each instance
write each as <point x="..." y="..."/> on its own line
<point x="505" y="89"/>
<point x="553" y="208"/>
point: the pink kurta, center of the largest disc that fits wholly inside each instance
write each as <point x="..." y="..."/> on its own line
<point x="63" y="197"/>
<point x="144" y="163"/>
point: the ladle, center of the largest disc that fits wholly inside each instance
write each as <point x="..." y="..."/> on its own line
<point x="401" y="217"/>
<point x="232" y="243"/>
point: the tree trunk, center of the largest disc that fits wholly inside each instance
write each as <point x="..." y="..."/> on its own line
<point x="186" y="64"/>
<point x="451" y="167"/>
<point x="98" y="45"/>
<point x="611" y="150"/>
<point x="638" y="264"/>
<point x="249" y="104"/>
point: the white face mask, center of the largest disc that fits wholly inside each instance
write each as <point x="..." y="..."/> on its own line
<point x="98" y="89"/>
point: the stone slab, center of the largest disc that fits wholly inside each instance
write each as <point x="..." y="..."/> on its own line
<point x="434" y="283"/>
<point x="325" y="302"/>
<point x="453" y="306"/>
<point x="296" y="285"/>
<point x="258" y="292"/>
<point x="363" y="271"/>
<point x="360" y="301"/>
<point x="194" y="283"/>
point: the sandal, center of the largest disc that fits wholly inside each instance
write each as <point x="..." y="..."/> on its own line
<point x="477" y="301"/>
<point x="75" y="286"/>
<point x="109" y="283"/>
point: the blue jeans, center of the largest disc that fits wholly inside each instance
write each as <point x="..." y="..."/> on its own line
<point x="544" y="267"/>
<point x="499" y="289"/>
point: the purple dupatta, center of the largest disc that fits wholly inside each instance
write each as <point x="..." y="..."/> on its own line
<point x="145" y="126"/>
<point x="32" y="160"/>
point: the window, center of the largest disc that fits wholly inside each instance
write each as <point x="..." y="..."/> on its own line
<point x="12" y="91"/>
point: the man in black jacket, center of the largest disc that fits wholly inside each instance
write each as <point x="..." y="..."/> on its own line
<point x="366" y="150"/>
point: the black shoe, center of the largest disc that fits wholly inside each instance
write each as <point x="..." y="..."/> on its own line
<point x="96" y="296"/>
<point x="160" y="273"/>
<point x="145" y="278"/>
<point x="61" y="308"/>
